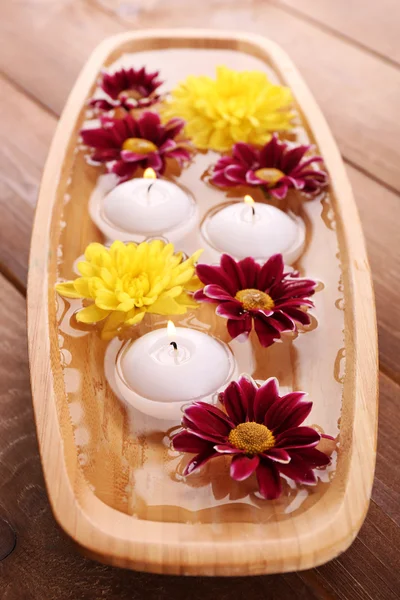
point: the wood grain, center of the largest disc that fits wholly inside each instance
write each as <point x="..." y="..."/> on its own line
<point x="25" y="135"/>
<point x="35" y="38"/>
<point x="45" y="564"/>
<point x="373" y="25"/>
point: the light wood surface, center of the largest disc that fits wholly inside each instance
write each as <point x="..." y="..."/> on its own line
<point x="159" y="540"/>
<point x="369" y="569"/>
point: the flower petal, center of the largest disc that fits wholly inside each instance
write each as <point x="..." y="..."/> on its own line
<point x="200" y="460"/>
<point x="271" y="272"/>
<point x="230" y="310"/>
<point x="298" y="470"/>
<point x="265" y="332"/>
<point x="277" y="455"/>
<point x="266" y="395"/>
<point x="240" y="327"/>
<point x="184" y="441"/>
<point x="91" y="314"/>
<point x="207" y="422"/>
<point x="234" y="402"/>
<point x="269" y="481"/>
<point x="243" y="466"/>
<point x="298" y="437"/>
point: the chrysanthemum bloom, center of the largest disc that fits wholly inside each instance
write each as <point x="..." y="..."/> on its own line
<point x="128" y="88"/>
<point x="260" y="430"/>
<point x="126" y="281"/>
<point x="276" y="167"/>
<point x="127" y="144"/>
<point x="235" y="107"/>
<point x="246" y="291"/>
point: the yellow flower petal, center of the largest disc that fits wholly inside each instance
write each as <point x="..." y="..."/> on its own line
<point x="91" y="314"/>
<point x="68" y="290"/>
<point x="235" y="106"/>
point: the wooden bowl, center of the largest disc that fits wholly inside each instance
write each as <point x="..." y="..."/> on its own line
<point x="115" y="488"/>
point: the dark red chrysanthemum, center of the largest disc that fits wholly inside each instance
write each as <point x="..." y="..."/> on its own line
<point x="246" y="291"/>
<point x="260" y="430"/>
<point x="128" y="88"/>
<point x="275" y="167"/>
<point x="128" y="143"/>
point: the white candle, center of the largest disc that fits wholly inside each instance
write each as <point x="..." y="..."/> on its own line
<point x="145" y="207"/>
<point x="255" y="229"/>
<point x="159" y="373"/>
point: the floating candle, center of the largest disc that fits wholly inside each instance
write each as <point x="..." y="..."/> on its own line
<point x="162" y="371"/>
<point x="144" y="207"/>
<point x="255" y="229"/>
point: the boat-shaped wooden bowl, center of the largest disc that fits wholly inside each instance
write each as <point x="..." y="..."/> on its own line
<point x="114" y="491"/>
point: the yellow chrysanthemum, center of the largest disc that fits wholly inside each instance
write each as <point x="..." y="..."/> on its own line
<point x="128" y="280"/>
<point x="235" y="107"/>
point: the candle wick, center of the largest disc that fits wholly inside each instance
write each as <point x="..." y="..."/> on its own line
<point x="253" y="211"/>
<point x="174" y="345"/>
<point x="148" y="190"/>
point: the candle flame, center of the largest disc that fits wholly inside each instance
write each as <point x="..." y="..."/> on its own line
<point x="149" y="173"/>
<point x="171" y="330"/>
<point x="249" y="200"/>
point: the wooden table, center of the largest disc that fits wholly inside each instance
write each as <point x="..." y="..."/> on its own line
<point x="349" y="53"/>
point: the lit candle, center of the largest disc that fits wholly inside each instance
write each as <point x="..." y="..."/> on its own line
<point x="255" y="229"/>
<point x="162" y="371"/>
<point x="145" y="207"/>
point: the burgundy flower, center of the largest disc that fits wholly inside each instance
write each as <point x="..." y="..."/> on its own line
<point x="128" y="88"/>
<point x="275" y="167"/>
<point x="261" y="431"/>
<point x="128" y="143"/>
<point x="246" y="291"/>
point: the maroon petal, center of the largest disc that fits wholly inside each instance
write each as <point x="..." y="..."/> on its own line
<point x="98" y="138"/>
<point x="217" y="293"/>
<point x="280" y="191"/>
<point x="243" y="466"/>
<point x="235" y="403"/>
<point x="200" y="296"/>
<point x="207" y="422"/>
<point x="298" y="470"/>
<point x="249" y="391"/>
<point x="290" y="411"/>
<point x="271" y="272"/>
<point x="240" y="327"/>
<point x="298" y="315"/>
<point x="184" y="441"/>
<point x="269" y="481"/>
<point x="155" y="162"/>
<point x="292" y="158"/>
<point x="129" y="156"/>
<point x="265" y="332"/>
<point x="277" y="455"/>
<point x="313" y="457"/>
<point x="220" y="180"/>
<point x="230" y="310"/>
<point x="298" y="437"/>
<point x="233" y="271"/>
<point x="200" y="460"/>
<point x="123" y="170"/>
<point x="105" y="155"/>
<point x="226" y="449"/>
<point x="266" y="396"/>
<point x="214" y="275"/>
<point x="149" y="124"/>
<point x="236" y="174"/>
<point x="246" y="155"/>
<point x="251" y="271"/>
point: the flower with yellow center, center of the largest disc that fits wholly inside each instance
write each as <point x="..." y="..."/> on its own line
<point x="126" y="281"/>
<point x="235" y="107"/>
